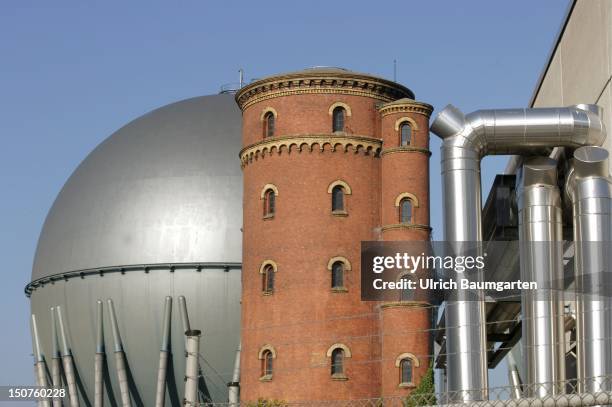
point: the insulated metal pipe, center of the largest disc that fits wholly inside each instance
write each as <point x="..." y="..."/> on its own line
<point x="39" y="363"/>
<point x="541" y="260"/>
<point x="56" y="378"/>
<point x="589" y="188"/>
<point x="160" y="393"/>
<point x="119" y="357"/>
<point x="466" y="140"/>
<point x="99" y="357"/>
<point x="67" y="360"/>
<point x="234" y="385"/>
<point x="191" y="367"/>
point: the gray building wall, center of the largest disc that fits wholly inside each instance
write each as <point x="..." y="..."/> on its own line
<point x="580" y="66"/>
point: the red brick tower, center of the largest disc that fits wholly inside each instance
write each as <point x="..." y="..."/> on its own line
<point x="405" y="216"/>
<point x="317" y="147"/>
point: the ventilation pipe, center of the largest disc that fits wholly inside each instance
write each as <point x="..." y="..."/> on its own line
<point x="466" y="140"/>
<point x="192" y="354"/>
<point x="541" y="259"/>
<point x="39" y="364"/>
<point x="99" y="358"/>
<point x="56" y="378"/>
<point x="162" y="371"/>
<point x="589" y="189"/>
<point x="514" y="377"/>
<point x="120" y="364"/>
<point x="184" y="314"/>
<point x="67" y="360"/>
<point x="234" y="385"/>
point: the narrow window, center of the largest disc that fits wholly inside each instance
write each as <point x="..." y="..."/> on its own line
<point x="337" y="361"/>
<point x="406" y="371"/>
<point x="269" y="124"/>
<point x="337" y="276"/>
<point x="269" y="203"/>
<point x="338" y="119"/>
<point x="405" y="134"/>
<point x="267" y="279"/>
<point x="266" y="368"/>
<point x="338" y="198"/>
<point x="406" y="210"/>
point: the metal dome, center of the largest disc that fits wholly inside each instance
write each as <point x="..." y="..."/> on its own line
<point x="152" y="215"/>
<point x="166" y="188"/>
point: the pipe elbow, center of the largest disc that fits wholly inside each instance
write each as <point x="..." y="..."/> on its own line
<point x="448" y="123"/>
<point x="589" y="162"/>
<point x="458" y="130"/>
<point x="588" y="121"/>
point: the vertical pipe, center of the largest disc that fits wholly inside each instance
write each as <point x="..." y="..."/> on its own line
<point x="466" y="140"/>
<point x="541" y="261"/>
<point x="234" y="385"/>
<point x="56" y="378"/>
<point x="39" y="363"/>
<point x="67" y="360"/>
<point x="590" y="190"/>
<point x="160" y="393"/>
<point x="465" y="314"/>
<point x="38" y="355"/>
<point x="184" y="315"/>
<point x="99" y="357"/>
<point x="192" y="367"/>
<point x="514" y="377"/>
<point x="119" y="357"/>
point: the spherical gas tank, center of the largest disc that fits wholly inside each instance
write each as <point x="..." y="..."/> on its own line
<point x="154" y="212"/>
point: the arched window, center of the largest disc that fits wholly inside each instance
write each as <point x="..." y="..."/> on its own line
<point x="406" y="371"/>
<point x="337" y="362"/>
<point x="405" y="208"/>
<point x="338" y="198"/>
<point x="405" y="134"/>
<point x="337" y="275"/>
<point x="267" y="279"/>
<point x="267" y="363"/>
<point x="406" y="362"/>
<point x="338" y="119"/>
<point x="269" y="203"/>
<point x="268" y="124"/>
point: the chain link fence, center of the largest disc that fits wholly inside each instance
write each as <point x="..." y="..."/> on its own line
<point x="595" y="391"/>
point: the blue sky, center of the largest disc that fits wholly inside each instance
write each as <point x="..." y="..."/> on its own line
<point x="72" y="73"/>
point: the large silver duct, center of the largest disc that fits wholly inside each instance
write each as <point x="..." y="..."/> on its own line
<point x="589" y="188"/>
<point x="466" y="140"/>
<point x="541" y="260"/>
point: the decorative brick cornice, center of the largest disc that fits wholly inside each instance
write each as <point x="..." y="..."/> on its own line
<point x="405" y="149"/>
<point x="406" y="226"/>
<point x="332" y="82"/>
<point x="298" y="143"/>
<point x="402" y="106"/>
